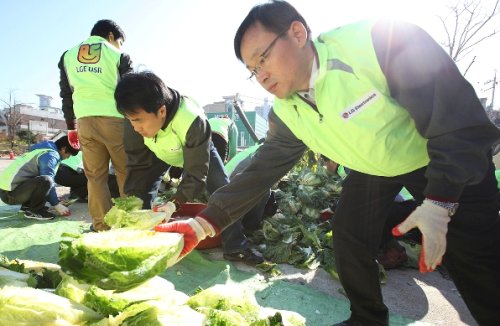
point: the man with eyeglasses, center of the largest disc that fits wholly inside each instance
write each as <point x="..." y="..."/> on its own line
<point x="385" y="100"/>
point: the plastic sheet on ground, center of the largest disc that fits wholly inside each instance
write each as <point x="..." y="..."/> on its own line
<point x="39" y="240"/>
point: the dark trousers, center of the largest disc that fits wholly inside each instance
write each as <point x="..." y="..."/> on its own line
<point x="233" y="238"/>
<point x="67" y="177"/>
<point x="32" y="193"/>
<point x="472" y="255"/>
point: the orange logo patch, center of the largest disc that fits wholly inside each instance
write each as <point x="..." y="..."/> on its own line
<point x="90" y="53"/>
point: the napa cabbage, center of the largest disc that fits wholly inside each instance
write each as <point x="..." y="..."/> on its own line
<point x="28" y="306"/>
<point x="119" y="259"/>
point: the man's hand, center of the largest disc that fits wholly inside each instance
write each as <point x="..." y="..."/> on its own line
<point x="432" y="221"/>
<point x="73" y="139"/>
<point x="61" y="210"/>
<point x="193" y="229"/>
<point x="169" y="208"/>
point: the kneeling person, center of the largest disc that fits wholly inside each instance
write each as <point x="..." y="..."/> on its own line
<point x="29" y="180"/>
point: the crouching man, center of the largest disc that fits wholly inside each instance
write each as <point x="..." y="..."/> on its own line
<point x="29" y="180"/>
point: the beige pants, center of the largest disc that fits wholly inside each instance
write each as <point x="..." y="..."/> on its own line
<point x="101" y="139"/>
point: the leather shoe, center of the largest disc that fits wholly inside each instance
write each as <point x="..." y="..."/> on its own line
<point x="246" y="256"/>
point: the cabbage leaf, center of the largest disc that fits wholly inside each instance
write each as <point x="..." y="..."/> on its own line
<point x="119" y="259"/>
<point x="28" y="306"/>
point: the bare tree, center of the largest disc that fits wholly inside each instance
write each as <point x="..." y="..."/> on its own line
<point x="468" y="23"/>
<point x="11" y="117"/>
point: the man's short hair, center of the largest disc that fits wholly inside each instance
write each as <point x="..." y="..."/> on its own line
<point x="142" y="90"/>
<point x="104" y="26"/>
<point x="64" y="142"/>
<point x="275" y="16"/>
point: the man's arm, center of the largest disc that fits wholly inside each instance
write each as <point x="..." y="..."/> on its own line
<point x="144" y="169"/>
<point x="125" y="65"/>
<point x="279" y="153"/>
<point x="196" y="161"/>
<point x="66" y="93"/>
<point x="444" y="106"/>
<point x="47" y="165"/>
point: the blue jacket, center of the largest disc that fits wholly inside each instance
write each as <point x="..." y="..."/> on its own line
<point x="48" y="164"/>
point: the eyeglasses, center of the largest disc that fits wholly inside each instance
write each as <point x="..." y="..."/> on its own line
<point x="263" y="56"/>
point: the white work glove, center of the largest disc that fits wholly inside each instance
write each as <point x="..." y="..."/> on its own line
<point x="61" y="210"/>
<point x="432" y="221"/>
<point x="169" y="208"/>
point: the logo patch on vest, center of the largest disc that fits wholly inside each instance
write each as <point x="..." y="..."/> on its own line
<point x="90" y="53"/>
<point x="363" y="103"/>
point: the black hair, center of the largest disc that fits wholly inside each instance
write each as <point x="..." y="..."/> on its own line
<point x="142" y="90"/>
<point x="64" y="142"/>
<point x="275" y="16"/>
<point x="104" y="26"/>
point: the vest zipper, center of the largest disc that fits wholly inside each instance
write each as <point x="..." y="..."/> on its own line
<point x="313" y="106"/>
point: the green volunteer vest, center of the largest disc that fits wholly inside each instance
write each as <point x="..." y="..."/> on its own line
<point x="92" y="70"/>
<point x="227" y="130"/>
<point x="169" y="142"/>
<point x="220" y="126"/>
<point x="231" y="165"/>
<point x="358" y="124"/>
<point x="74" y="162"/>
<point x="8" y="175"/>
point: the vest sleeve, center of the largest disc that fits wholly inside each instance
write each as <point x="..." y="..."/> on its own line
<point x="196" y="161"/>
<point x="125" y="65"/>
<point x="447" y="112"/>
<point x="277" y="155"/>
<point x="47" y="165"/>
<point x="66" y="94"/>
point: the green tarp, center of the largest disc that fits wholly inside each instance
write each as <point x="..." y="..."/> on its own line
<point x="39" y="240"/>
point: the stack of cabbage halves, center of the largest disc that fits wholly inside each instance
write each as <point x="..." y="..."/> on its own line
<point x="111" y="278"/>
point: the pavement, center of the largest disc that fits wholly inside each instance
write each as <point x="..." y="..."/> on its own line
<point x="428" y="298"/>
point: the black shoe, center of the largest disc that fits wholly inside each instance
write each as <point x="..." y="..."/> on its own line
<point x="246" y="256"/>
<point x="24" y="208"/>
<point x="41" y="215"/>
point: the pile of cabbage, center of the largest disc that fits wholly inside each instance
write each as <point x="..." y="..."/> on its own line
<point x="111" y="278"/>
<point x="153" y="302"/>
<point x="296" y="235"/>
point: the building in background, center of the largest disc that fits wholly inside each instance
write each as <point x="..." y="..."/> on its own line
<point x="44" y="119"/>
<point x="257" y="117"/>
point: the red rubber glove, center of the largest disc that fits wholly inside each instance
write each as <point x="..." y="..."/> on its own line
<point x="193" y="229"/>
<point x="73" y="139"/>
<point x="432" y="220"/>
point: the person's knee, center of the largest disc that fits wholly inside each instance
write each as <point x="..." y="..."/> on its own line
<point x="44" y="181"/>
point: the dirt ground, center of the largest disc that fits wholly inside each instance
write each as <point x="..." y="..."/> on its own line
<point x="427" y="298"/>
